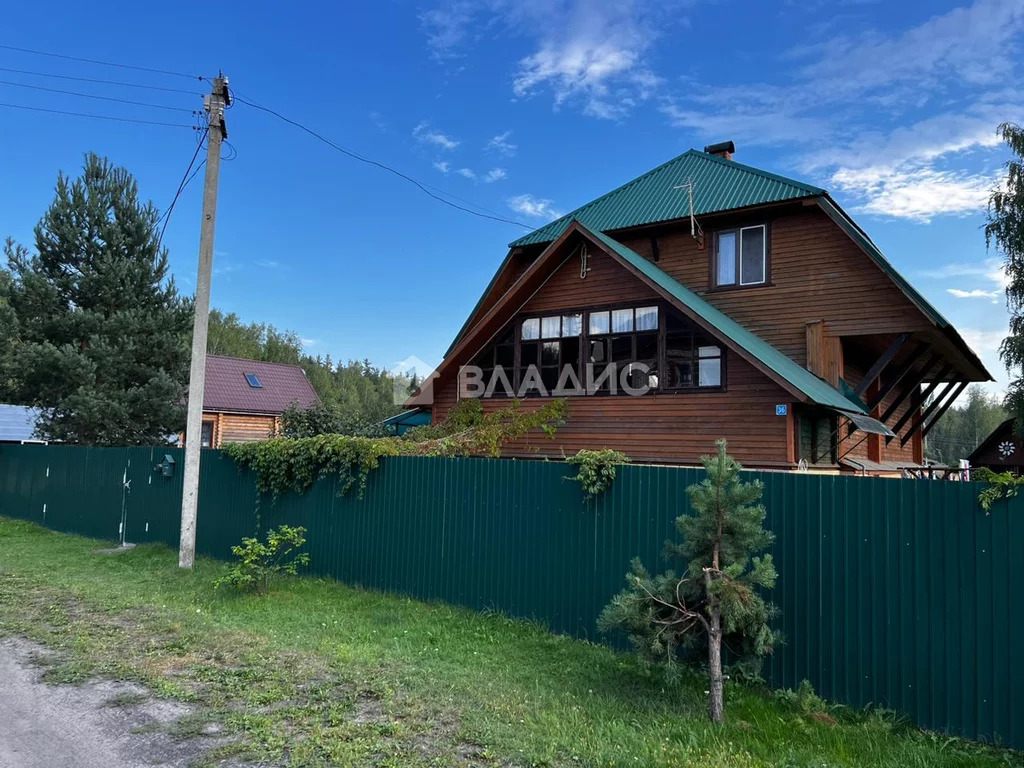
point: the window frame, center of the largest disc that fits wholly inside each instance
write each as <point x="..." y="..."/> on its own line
<point x="633" y="341"/>
<point x="766" y="258"/>
<point x="202" y="430"/>
<point x="698" y="335"/>
<point x="518" y="368"/>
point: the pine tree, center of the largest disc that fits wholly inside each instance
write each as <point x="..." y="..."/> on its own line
<point x="716" y="598"/>
<point x="1005" y="228"/>
<point x="103" y="347"/>
<point x="8" y="337"/>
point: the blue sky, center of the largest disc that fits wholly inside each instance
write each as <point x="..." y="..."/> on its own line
<point x="528" y="109"/>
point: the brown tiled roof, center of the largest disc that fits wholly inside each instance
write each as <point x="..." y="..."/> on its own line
<point x="228" y="390"/>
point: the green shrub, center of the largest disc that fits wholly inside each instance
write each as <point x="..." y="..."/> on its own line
<point x="595" y="470"/>
<point x="284" y="464"/>
<point x="1001" y="485"/>
<point x="259" y="561"/>
<point x="803" y="699"/>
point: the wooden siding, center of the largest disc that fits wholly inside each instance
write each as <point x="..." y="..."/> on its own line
<point x="664" y="427"/>
<point x="243" y="428"/>
<point x="817" y="273"/>
<point x="865" y="448"/>
<point x="607" y="282"/>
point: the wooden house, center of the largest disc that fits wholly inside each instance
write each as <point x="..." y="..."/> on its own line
<point x="243" y="399"/>
<point x="1001" y="451"/>
<point x="745" y="305"/>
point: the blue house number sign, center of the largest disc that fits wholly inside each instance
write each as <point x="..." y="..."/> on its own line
<point x="781" y="410"/>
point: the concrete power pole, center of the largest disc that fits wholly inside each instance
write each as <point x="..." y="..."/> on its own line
<point x="216" y="102"/>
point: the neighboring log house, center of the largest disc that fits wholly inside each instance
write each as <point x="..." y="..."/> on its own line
<point x="1001" y="451"/>
<point x="735" y="303"/>
<point x="244" y="399"/>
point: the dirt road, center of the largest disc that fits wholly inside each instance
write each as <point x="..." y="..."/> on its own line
<point x="96" y="725"/>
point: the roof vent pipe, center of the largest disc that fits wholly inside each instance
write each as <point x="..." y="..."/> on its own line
<point x="723" y="149"/>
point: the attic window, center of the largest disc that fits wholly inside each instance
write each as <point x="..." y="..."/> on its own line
<point x="254" y="382"/>
<point x="741" y="257"/>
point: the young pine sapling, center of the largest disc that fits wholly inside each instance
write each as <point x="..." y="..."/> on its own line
<point x="716" y="598"/>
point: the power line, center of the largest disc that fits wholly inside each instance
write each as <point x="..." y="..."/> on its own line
<point x="185" y="179"/>
<point x="99" y="80"/>
<point x="98" y="61"/>
<point x="166" y="217"/>
<point x="96" y="117"/>
<point x="94" y="96"/>
<point x="422" y="187"/>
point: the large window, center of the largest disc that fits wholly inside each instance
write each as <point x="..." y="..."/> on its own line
<point x="614" y="350"/>
<point x="549" y="344"/>
<point x="740" y="257"/>
<point x="691" y="359"/>
<point x="628" y="338"/>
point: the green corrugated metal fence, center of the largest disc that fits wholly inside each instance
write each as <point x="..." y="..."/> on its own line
<point x="897" y="593"/>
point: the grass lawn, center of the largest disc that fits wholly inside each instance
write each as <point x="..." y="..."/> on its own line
<point x="320" y="674"/>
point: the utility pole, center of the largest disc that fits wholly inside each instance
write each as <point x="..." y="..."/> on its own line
<point x="215" y="105"/>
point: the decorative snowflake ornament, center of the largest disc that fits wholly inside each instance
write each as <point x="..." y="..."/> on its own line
<point x="1006" y="449"/>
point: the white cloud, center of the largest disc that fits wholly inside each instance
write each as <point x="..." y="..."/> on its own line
<point x="903" y="122"/>
<point x="989" y="273"/>
<point x="267" y="263"/>
<point x="424" y="134"/>
<point x="590" y="53"/>
<point x="990" y="270"/>
<point x="747" y="124"/>
<point x="495" y="174"/>
<point x="914" y="190"/>
<point x="502" y="145"/>
<point x="976" y="293"/>
<point x="528" y="205"/>
<point x="226" y="268"/>
<point x="971" y="45"/>
<point x="447" y="25"/>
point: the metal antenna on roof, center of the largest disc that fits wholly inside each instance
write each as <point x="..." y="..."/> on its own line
<point x="695" y="231"/>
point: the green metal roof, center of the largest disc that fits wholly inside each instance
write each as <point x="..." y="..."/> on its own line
<point x="816" y="390"/>
<point x="718" y="185"/>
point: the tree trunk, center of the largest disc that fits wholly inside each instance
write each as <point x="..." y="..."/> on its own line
<point x="716" y="703"/>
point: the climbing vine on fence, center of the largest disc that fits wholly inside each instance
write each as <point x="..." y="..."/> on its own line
<point x="1000" y="485"/>
<point x="286" y="464"/>
<point x="595" y="470"/>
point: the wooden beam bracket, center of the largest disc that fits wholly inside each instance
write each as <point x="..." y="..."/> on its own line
<point x="945" y="399"/>
<point x="920" y="398"/>
<point x="943" y="409"/>
<point x="912" y="387"/>
<point x="888" y="386"/>
<point x="881" y="363"/>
